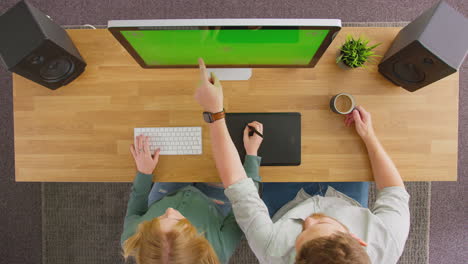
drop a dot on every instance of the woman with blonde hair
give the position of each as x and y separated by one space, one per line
181 222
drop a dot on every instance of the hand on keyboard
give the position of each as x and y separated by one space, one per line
141 153
173 140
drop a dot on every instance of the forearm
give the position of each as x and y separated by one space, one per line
383 168
252 215
227 159
138 202
251 167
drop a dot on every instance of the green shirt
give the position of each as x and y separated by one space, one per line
222 232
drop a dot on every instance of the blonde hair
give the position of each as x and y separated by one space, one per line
182 245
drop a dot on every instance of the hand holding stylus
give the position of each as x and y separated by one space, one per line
252 142
209 93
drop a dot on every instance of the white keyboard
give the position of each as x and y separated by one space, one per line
173 140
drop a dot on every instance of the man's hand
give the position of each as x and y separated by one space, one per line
252 143
209 93
141 153
363 122
385 171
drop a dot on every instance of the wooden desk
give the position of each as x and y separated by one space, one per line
82 132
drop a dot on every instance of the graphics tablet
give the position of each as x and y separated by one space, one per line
281 144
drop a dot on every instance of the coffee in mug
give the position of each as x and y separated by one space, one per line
342 103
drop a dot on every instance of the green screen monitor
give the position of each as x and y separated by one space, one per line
226 43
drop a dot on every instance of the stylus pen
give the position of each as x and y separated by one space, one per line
255 131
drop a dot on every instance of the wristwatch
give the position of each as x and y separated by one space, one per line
212 117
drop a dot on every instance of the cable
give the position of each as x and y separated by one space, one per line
88 25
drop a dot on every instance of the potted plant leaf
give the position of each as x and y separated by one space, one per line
355 53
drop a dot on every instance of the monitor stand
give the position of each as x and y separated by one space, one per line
232 74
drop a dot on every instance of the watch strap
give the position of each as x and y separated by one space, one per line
219 115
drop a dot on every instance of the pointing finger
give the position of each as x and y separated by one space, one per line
203 72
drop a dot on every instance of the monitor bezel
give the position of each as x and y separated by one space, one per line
333 25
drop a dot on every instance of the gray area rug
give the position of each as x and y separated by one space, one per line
82 222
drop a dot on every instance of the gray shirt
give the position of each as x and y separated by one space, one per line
385 227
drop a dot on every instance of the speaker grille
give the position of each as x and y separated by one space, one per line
414 66
56 70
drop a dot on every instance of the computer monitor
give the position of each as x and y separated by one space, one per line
226 43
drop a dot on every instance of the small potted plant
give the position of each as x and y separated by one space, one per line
355 53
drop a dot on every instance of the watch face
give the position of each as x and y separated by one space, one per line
207 117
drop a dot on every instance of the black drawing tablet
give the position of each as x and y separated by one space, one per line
281 144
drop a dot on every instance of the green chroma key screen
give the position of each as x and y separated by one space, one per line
226 46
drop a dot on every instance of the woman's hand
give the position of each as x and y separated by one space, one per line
141 153
209 93
363 122
252 143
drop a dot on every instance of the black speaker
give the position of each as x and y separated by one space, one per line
33 46
428 49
